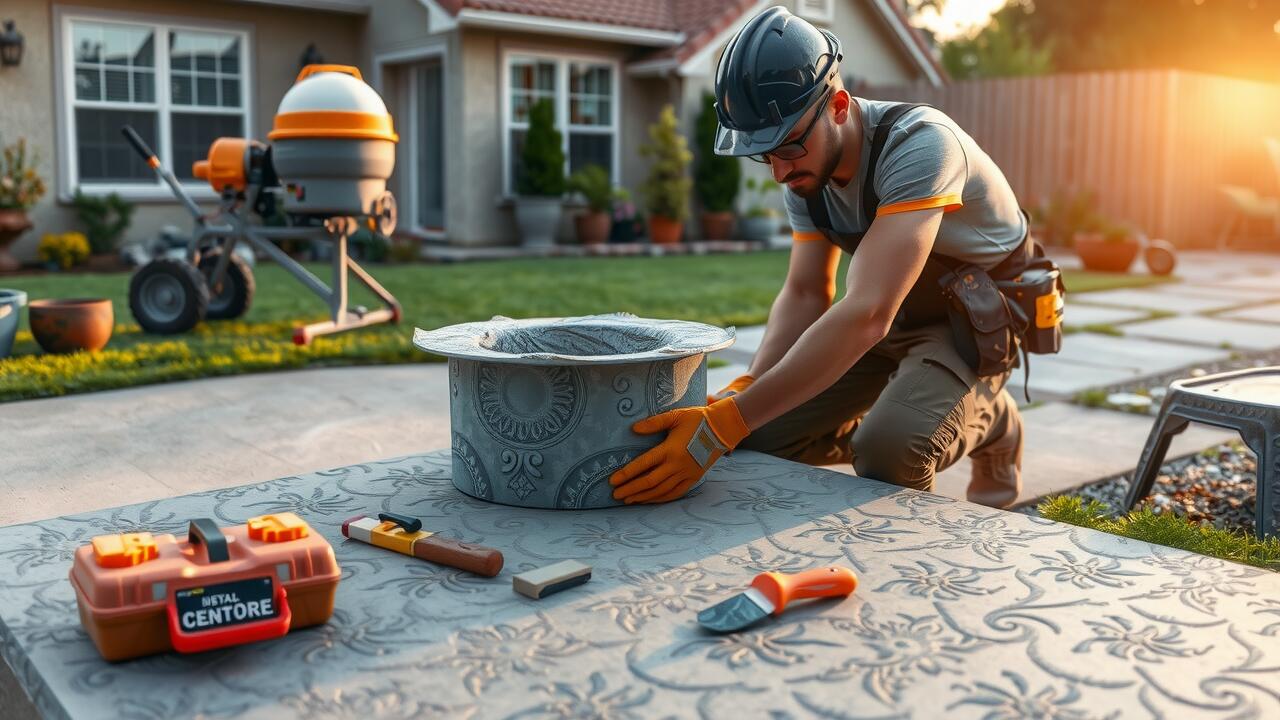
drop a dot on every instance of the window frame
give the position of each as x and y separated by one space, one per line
561 62
64 92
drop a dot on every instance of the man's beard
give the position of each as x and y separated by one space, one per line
822 177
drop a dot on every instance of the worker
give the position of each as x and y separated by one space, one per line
879 378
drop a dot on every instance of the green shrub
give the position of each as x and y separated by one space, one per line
666 191
594 184
716 177
542 159
104 218
1166 529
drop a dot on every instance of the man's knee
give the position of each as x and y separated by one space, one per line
903 446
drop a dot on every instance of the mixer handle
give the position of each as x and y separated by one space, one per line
310 70
140 145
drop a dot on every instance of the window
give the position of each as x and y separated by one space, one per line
816 10
179 87
585 95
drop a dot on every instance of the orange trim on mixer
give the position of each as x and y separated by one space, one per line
224 167
310 70
349 124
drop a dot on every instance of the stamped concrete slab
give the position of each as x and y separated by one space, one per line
1257 313
1152 299
1068 445
1077 315
1211 331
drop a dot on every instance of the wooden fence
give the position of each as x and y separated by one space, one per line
1155 146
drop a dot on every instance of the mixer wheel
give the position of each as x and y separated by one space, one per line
235 295
168 296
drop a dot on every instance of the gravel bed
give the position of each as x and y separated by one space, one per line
1216 487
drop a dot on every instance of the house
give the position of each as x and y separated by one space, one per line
457 75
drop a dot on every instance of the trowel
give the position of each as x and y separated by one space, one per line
769 594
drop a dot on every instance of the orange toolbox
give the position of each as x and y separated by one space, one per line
141 594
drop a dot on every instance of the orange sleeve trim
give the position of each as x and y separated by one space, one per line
948 203
808 236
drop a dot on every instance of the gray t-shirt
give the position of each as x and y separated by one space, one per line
927 162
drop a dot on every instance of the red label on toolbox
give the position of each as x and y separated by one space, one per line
230 613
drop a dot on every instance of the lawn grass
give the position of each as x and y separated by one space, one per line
717 289
1167 530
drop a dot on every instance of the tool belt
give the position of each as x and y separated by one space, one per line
1016 305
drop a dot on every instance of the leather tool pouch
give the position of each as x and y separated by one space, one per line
985 326
1038 294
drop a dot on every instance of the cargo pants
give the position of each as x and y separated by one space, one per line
908 409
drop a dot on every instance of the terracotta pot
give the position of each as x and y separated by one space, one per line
593 227
664 230
67 326
12 224
717 225
1097 253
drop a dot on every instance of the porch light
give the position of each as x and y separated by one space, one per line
10 45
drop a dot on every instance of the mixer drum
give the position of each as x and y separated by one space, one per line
333 145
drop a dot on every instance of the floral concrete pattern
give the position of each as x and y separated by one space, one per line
962 611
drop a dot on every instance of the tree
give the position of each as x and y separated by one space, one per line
542 159
666 191
1004 48
1240 38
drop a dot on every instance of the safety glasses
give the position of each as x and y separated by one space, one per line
795 149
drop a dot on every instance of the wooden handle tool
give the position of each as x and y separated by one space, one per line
405 535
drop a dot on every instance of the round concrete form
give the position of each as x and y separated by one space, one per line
541 409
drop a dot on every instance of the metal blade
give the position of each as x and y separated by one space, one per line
737 612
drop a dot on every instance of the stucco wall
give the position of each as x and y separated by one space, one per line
279 36
487 218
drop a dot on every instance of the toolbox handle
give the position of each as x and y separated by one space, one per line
204 531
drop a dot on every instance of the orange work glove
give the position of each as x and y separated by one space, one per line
696 438
742 382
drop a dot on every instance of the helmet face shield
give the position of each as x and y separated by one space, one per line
754 142
773 72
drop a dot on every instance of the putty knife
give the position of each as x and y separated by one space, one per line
771 591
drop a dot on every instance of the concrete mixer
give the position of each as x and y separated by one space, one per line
332 150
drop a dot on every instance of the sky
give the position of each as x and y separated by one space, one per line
958 17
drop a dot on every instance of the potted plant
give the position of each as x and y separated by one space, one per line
20 189
11 302
1067 214
105 220
716 177
1109 248
760 221
541 180
626 222
593 183
62 251
666 191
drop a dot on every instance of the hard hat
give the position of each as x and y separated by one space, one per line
771 72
